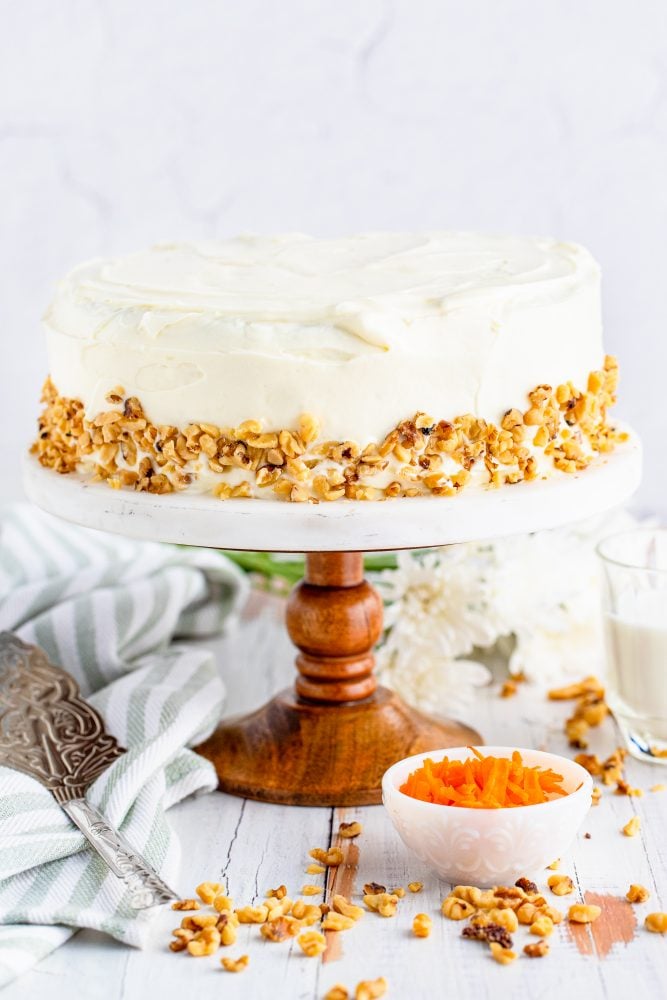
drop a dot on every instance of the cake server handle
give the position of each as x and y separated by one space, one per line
146 886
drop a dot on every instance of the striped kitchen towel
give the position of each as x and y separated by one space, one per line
116 614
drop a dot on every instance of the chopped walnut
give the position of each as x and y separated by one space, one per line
278 893
488 932
526 884
199 921
331 858
422 925
506 918
337 992
504 956
235 964
456 909
348 909
311 890
582 913
372 888
308 913
542 926
253 914
280 929
222 903
536 950
371 989
560 885
631 828
384 903
591 762
349 830
204 942
637 894
121 447
509 689
312 943
185 904
656 923
335 921
207 891
589 685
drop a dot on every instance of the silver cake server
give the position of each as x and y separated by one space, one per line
48 731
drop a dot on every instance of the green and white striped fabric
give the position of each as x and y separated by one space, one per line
115 613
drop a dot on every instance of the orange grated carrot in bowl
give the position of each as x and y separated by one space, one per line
483 782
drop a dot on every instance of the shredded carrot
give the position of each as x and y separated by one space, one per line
483 782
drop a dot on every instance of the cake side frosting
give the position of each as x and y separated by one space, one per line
561 431
361 333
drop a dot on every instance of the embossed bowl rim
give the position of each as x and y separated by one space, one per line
572 772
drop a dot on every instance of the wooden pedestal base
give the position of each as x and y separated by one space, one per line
305 754
330 740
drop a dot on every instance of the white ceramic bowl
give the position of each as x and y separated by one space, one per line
486 847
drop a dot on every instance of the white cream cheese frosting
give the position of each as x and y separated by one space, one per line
361 332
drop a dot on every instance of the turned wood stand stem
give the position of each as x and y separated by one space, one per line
335 618
328 741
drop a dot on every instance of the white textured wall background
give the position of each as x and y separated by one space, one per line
125 122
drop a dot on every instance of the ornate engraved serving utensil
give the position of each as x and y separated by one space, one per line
48 731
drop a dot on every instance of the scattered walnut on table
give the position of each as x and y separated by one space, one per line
371 989
311 890
656 923
542 926
185 904
278 893
384 903
205 942
504 956
235 964
583 913
560 885
422 925
207 891
491 933
331 858
372 888
280 929
456 909
637 894
312 943
538 949
348 909
631 828
335 921
337 992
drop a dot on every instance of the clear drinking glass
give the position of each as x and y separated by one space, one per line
635 608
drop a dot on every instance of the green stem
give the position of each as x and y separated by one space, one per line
291 570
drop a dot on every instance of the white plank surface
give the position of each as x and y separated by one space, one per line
254 847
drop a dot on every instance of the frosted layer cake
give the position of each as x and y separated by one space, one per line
363 368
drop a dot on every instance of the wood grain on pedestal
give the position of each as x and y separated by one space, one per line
330 740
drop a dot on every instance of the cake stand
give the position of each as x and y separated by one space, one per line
328 740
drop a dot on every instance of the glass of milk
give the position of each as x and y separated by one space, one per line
635 571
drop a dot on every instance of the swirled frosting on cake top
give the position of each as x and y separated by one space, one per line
359 331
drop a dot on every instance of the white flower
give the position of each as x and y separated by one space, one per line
542 591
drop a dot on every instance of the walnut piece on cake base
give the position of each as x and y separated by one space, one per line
561 428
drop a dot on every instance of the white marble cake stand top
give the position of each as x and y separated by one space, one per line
346 525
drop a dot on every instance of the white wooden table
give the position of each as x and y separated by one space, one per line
254 847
